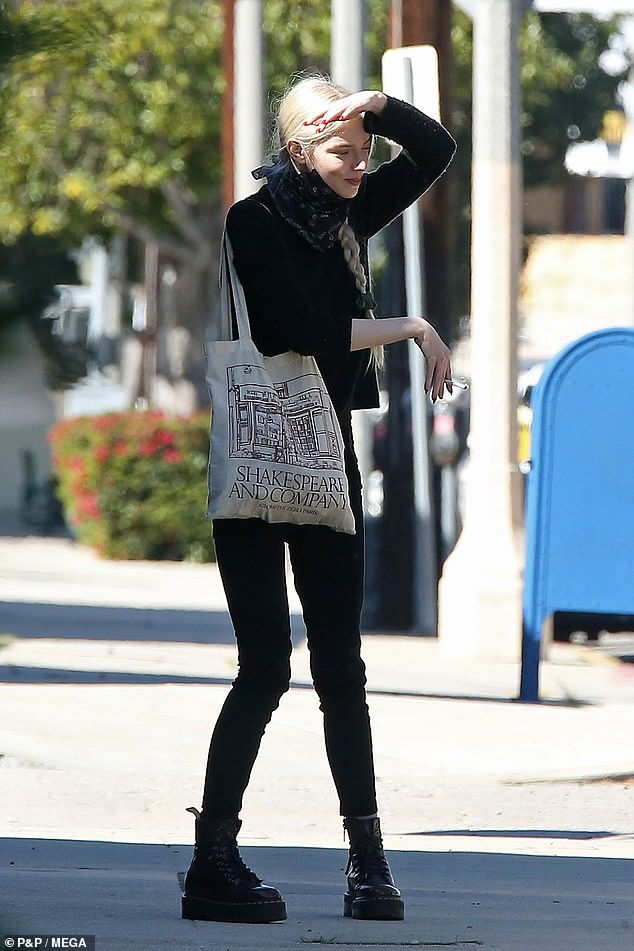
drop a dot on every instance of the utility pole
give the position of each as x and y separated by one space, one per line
147 381
347 43
347 69
226 138
248 97
419 30
411 73
428 23
480 589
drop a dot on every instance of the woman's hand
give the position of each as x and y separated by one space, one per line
349 107
378 333
437 359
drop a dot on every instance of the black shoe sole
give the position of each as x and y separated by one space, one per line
255 912
373 909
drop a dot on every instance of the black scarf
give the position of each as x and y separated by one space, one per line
305 201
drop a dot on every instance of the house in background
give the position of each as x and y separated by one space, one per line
91 312
137 358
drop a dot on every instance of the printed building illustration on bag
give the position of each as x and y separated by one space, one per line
285 422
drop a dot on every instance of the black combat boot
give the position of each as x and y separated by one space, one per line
219 886
371 893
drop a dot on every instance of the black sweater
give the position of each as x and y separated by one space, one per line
303 299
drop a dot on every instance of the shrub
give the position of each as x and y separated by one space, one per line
133 485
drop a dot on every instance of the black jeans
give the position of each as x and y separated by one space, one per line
328 572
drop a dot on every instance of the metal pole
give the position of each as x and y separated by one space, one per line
347 43
148 337
627 96
425 571
412 74
248 99
226 140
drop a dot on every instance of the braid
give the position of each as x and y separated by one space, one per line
352 255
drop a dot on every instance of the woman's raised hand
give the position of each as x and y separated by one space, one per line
349 107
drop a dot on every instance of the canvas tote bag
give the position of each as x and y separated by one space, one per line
276 450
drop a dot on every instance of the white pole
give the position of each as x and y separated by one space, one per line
99 293
480 589
626 90
248 96
347 43
411 73
424 594
347 68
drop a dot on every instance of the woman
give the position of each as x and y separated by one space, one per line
300 249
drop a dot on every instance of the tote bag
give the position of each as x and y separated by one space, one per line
276 450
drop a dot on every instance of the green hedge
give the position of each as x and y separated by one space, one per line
134 485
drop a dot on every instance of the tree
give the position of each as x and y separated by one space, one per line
104 122
111 112
111 122
565 92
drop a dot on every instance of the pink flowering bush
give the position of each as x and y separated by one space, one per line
134 485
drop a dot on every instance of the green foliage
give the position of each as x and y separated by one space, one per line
297 37
565 93
133 485
102 105
106 108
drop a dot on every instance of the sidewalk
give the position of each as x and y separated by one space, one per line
510 826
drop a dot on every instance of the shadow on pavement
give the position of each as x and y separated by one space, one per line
32 674
159 625
571 834
115 624
14 674
92 622
128 895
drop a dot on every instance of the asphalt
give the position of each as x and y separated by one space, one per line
509 826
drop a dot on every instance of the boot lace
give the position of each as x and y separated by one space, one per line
367 865
233 868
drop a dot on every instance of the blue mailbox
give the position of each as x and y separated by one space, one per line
580 489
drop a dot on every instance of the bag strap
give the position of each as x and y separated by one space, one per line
231 290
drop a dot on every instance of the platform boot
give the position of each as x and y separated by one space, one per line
371 892
219 886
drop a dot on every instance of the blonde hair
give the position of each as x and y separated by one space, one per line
305 97
352 254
